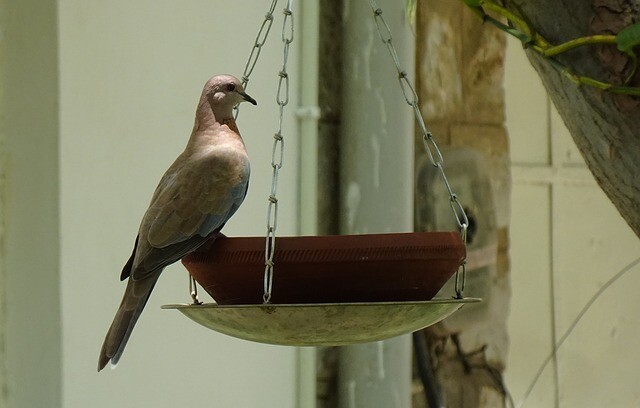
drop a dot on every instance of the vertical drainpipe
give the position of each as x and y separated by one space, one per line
376 184
308 114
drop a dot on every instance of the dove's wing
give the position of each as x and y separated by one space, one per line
194 199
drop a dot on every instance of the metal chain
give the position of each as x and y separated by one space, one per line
435 156
261 39
277 155
193 290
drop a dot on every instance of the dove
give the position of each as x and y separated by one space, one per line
196 196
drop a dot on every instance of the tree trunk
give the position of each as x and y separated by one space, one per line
604 126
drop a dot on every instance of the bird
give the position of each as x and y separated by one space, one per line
194 199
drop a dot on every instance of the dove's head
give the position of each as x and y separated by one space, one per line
223 92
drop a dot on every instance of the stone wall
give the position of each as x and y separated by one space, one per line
460 85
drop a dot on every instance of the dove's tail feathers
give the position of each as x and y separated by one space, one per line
133 302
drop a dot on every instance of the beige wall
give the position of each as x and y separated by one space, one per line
130 78
119 82
30 257
567 241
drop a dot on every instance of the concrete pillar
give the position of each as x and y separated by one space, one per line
376 183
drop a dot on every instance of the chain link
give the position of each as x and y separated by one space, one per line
193 291
261 39
433 151
277 155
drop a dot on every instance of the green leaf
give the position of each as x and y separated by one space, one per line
628 38
473 3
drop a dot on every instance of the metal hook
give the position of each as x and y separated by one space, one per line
193 291
459 287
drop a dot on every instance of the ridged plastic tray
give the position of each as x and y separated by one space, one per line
329 269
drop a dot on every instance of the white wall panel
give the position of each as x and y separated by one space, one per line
587 243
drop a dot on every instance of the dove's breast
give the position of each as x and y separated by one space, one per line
197 195
225 164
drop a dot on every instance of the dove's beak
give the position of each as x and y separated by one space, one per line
248 98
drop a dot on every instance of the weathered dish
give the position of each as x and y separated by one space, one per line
321 324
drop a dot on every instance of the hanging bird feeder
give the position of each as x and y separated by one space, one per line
330 290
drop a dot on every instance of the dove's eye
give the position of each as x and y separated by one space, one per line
231 87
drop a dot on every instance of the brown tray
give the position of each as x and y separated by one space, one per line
329 269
